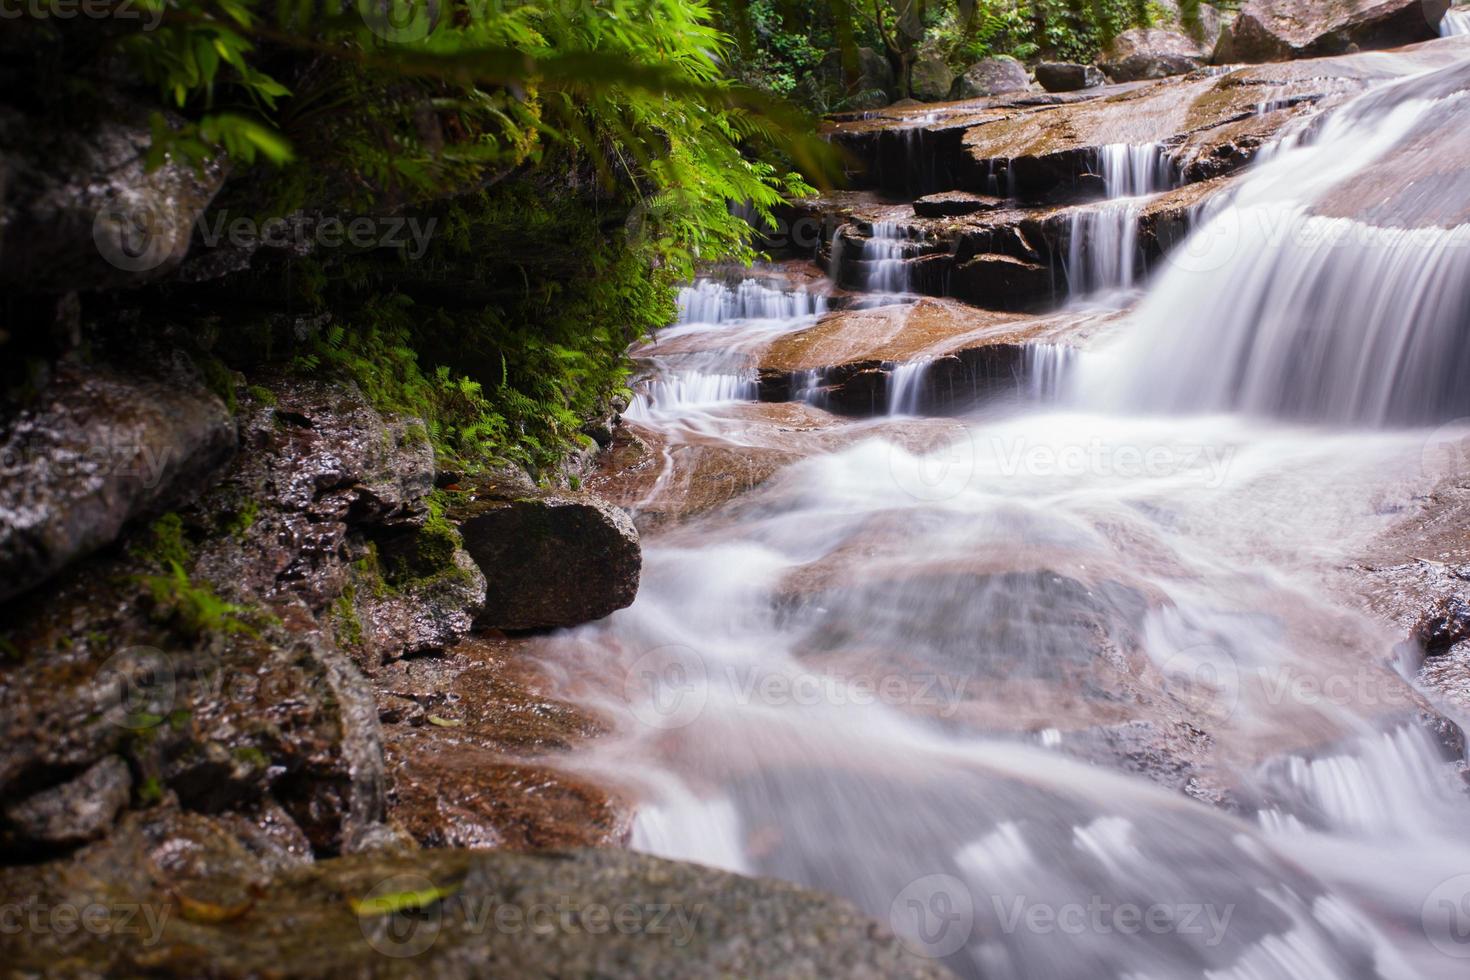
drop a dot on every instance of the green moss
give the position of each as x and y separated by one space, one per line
243 520
165 543
263 395
252 756
219 379
193 608
150 791
347 625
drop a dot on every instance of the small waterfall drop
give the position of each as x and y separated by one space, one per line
1102 243
906 386
1456 22
884 252
712 301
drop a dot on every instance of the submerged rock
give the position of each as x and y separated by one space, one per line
97 449
991 76
551 560
955 204
1279 30
1146 53
1064 77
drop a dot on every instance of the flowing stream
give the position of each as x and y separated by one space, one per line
1063 688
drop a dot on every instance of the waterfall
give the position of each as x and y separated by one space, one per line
1456 22
1312 313
1047 370
682 390
1102 240
1135 170
906 385
712 301
884 253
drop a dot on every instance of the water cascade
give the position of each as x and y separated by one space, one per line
711 301
1013 682
1456 22
1314 312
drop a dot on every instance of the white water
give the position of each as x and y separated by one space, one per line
1103 254
884 252
906 386
934 675
1456 23
710 301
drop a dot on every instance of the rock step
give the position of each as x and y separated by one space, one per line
1003 257
1039 146
944 354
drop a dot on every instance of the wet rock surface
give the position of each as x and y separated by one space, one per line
79 209
212 904
549 560
218 652
473 751
95 450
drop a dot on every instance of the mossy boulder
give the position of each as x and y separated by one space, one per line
991 76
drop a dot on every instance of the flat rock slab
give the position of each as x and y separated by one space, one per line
954 204
590 913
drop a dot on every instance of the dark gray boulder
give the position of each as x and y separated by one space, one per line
72 812
872 87
930 79
550 560
79 210
1056 76
242 907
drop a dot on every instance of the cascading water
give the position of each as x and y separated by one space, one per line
906 386
1102 251
1456 22
884 251
1313 312
702 380
712 301
968 673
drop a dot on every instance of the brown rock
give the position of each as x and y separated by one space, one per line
1279 30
